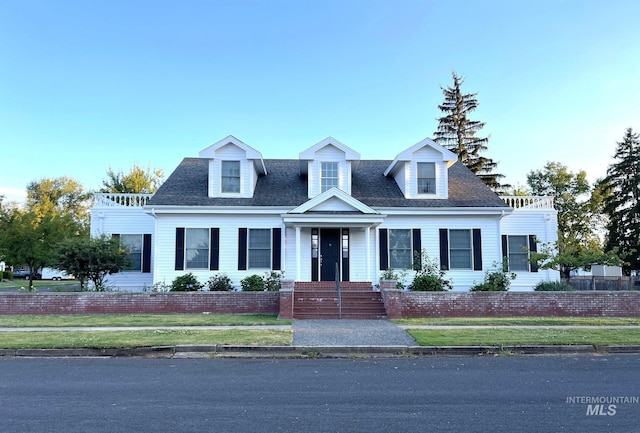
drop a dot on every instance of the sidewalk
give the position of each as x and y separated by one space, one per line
319 338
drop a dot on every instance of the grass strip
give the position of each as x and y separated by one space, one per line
142 338
97 320
524 336
515 321
63 285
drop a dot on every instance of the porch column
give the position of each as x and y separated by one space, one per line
367 245
297 253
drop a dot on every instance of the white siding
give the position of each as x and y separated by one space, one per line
430 239
125 220
407 179
328 154
543 224
401 179
248 175
228 224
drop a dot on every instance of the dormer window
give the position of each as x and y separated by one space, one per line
230 178
426 178
329 176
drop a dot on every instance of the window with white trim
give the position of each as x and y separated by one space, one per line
426 178
133 245
230 177
328 175
518 252
197 248
259 248
400 249
460 249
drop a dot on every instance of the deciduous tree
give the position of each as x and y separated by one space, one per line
137 181
27 238
92 259
60 196
578 208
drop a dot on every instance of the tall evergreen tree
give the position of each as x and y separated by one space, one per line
622 203
457 133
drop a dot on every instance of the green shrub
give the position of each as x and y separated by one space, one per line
553 286
497 279
272 281
391 275
160 287
186 283
427 283
429 276
220 283
252 283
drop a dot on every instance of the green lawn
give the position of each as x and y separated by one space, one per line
64 285
142 338
514 336
515 321
72 320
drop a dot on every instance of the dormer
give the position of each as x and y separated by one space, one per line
421 171
234 168
328 164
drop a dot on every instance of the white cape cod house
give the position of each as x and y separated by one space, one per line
231 211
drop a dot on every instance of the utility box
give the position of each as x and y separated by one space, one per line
606 271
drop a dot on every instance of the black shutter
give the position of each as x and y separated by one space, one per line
242 249
277 249
505 252
384 252
533 247
417 249
477 250
214 249
117 238
146 253
444 249
179 248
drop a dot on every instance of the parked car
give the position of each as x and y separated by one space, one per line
23 273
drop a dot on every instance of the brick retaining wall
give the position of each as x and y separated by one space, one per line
515 304
398 303
141 303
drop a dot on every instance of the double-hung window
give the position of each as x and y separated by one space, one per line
518 253
197 248
133 245
259 248
230 179
460 249
400 250
426 178
328 175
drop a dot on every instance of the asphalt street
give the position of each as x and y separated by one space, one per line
471 394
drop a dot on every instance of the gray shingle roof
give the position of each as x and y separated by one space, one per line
284 186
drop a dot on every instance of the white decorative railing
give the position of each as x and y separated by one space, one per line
114 199
528 202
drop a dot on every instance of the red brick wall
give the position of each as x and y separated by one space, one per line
507 304
141 303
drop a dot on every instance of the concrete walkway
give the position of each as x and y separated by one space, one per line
349 333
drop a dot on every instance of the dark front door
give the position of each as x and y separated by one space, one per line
329 253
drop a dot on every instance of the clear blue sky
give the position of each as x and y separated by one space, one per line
88 85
